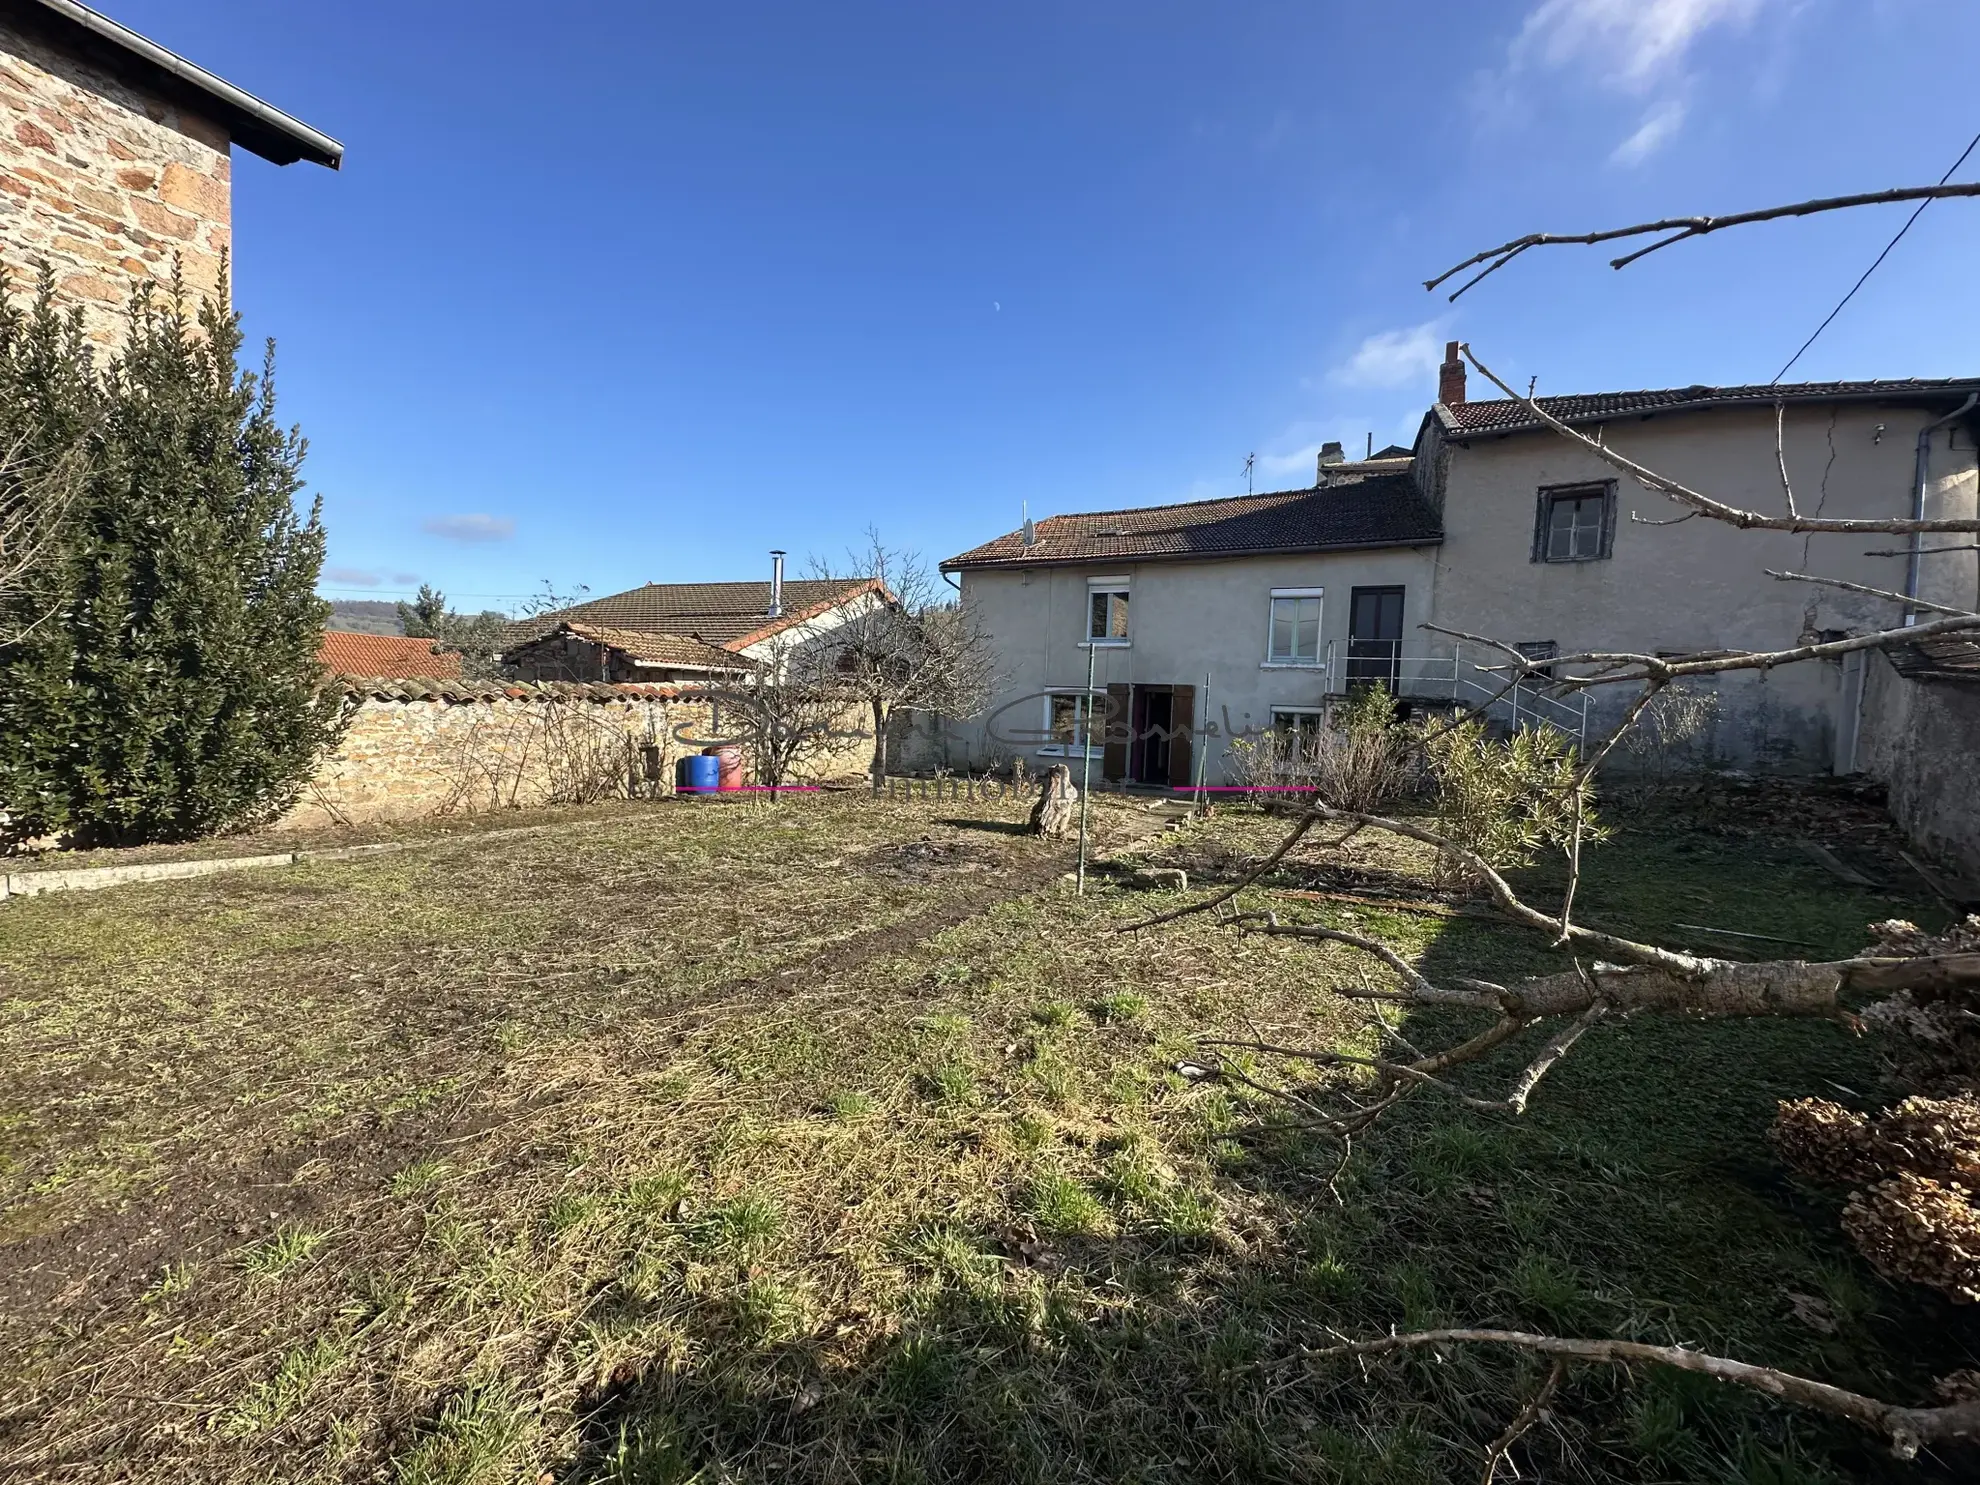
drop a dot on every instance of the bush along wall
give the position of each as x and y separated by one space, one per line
158 672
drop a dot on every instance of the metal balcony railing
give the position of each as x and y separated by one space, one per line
1456 679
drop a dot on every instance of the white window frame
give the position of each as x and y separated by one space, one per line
1319 660
1070 750
1123 586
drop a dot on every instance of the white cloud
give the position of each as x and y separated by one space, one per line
1396 358
1638 48
1637 45
350 577
1659 126
470 528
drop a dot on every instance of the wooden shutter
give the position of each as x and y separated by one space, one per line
1182 726
1119 729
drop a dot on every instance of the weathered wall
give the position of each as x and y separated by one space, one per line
1702 584
1186 620
1921 740
104 183
406 759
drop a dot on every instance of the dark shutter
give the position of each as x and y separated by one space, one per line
1118 719
1182 724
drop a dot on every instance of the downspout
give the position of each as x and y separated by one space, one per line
1919 480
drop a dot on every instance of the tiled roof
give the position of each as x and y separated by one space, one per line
1942 657
661 649
1379 510
728 614
383 655
1505 415
425 688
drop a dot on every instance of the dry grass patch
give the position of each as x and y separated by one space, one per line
751 1159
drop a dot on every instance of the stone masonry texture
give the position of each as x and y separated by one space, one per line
105 184
405 760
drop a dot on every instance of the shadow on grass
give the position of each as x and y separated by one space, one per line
1636 1198
994 827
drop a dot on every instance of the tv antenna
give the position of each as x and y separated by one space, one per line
1249 461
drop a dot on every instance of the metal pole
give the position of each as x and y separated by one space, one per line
1198 738
1085 767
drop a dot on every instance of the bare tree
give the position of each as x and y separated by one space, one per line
785 711
919 650
1611 977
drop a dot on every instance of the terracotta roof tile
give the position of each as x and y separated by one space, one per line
1505 415
661 649
441 688
1373 511
726 614
345 653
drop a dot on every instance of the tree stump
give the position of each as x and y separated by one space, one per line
1052 816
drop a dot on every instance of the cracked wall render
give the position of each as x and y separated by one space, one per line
105 184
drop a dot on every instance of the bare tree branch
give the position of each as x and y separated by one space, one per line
1705 504
1535 1406
1906 1429
1682 228
1829 582
1780 456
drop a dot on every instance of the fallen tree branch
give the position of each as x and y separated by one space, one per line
1535 1405
1682 228
1907 1430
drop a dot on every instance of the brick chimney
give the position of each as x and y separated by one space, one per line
1450 377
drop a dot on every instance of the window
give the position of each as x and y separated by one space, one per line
1295 730
1107 611
1293 635
1540 649
1067 715
1575 523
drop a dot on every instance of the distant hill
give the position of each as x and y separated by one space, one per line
365 616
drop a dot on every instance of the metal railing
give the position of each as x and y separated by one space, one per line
1454 679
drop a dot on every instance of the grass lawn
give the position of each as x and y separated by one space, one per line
838 1141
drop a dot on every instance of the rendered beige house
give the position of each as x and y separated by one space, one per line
1545 544
116 158
1201 621
1229 617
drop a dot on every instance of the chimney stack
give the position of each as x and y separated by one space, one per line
1450 377
776 584
1330 453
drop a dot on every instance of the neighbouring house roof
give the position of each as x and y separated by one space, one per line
1943 657
1377 510
383 655
1505 415
441 688
675 651
731 615
258 127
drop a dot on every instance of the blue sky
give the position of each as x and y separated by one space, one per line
617 292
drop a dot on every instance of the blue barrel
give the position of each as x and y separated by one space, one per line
698 773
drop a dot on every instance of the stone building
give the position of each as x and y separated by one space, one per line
116 157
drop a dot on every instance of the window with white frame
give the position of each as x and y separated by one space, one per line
1107 611
1068 717
1293 633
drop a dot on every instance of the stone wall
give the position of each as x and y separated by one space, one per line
415 749
1921 740
104 183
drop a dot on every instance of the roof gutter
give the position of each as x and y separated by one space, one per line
1091 559
1920 477
301 142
